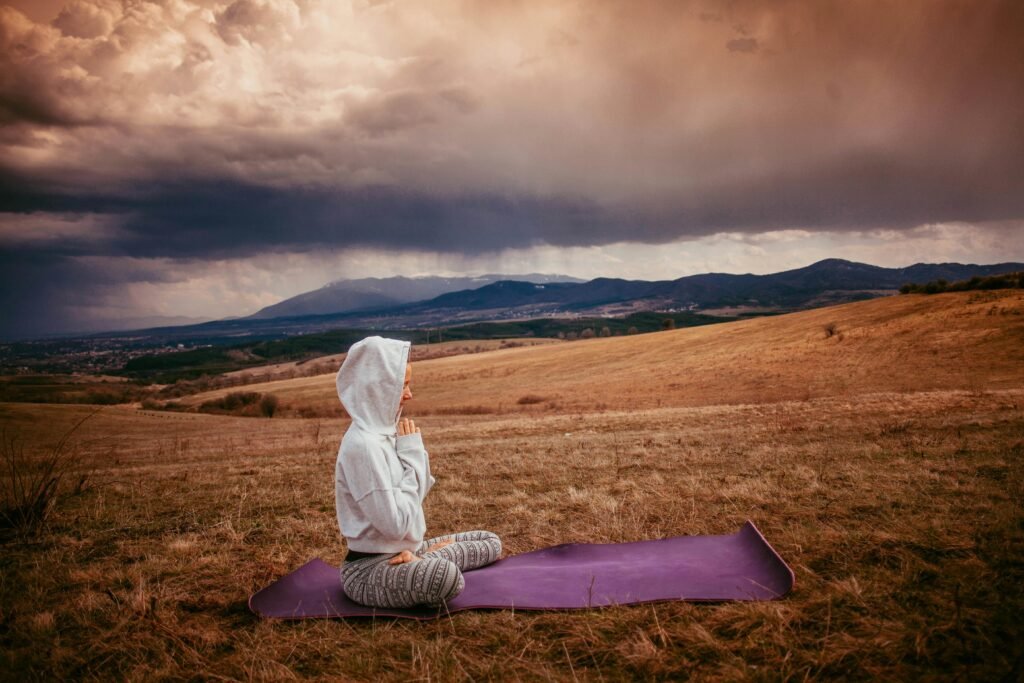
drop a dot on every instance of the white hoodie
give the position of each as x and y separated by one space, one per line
380 478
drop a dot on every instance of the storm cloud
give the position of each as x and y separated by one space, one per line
201 129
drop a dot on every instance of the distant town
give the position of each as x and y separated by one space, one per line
85 355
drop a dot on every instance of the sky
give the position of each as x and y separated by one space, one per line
179 159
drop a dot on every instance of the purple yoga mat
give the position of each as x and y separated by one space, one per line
740 566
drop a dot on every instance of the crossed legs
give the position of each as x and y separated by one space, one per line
431 580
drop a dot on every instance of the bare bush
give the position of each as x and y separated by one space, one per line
237 402
830 330
268 405
30 484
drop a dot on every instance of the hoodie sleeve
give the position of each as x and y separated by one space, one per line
395 511
414 457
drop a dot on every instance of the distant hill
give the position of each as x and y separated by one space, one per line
961 340
344 296
823 283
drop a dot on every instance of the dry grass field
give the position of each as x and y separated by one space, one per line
877 445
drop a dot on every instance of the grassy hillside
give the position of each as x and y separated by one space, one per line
92 389
883 461
221 359
906 343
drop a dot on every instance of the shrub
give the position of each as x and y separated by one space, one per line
668 324
530 399
239 399
587 333
103 398
31 485
268 405
238 402
633 330
830 330
606 331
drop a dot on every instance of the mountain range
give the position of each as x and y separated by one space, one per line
824 283
344 296
356 303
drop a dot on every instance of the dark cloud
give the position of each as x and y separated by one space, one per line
838 115
218 219
48 291
212 131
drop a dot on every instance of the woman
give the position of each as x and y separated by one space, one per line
381 478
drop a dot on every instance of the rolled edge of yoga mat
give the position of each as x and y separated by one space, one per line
741 566
790 583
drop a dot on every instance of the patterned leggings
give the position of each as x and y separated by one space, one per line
431 580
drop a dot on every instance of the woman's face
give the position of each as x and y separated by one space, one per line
407 388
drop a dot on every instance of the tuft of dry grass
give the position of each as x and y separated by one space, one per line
30 480
899 509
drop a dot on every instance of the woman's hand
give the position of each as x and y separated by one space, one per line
438 546
407 426
403 557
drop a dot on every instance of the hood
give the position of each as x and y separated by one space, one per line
370 383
